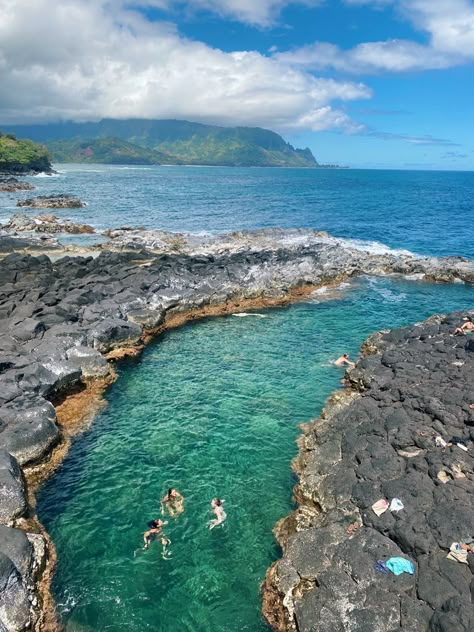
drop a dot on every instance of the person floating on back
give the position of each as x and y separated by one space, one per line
219 512
156 531
344 359
173 502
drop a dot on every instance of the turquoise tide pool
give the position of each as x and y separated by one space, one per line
213 409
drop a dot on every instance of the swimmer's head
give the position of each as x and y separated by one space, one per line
346 355
170 491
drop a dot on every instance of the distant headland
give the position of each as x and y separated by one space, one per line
22 157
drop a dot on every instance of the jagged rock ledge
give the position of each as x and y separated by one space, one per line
62 322
20 222
376 439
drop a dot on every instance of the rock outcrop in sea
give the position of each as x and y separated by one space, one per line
52 201
63 321
44 224
403 430
10 184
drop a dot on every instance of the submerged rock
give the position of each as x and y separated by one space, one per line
380 442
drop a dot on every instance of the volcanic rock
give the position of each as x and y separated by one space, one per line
379 441
12 184
52 201
12 489
44 224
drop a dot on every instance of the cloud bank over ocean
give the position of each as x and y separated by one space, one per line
89 59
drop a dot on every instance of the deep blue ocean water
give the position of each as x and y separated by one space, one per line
423 211
213 408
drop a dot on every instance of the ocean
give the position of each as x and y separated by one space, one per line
426 212
213 408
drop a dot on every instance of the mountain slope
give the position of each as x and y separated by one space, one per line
21 156
107 150
182 141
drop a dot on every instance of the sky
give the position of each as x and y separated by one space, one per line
362 83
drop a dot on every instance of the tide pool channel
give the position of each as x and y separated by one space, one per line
211 409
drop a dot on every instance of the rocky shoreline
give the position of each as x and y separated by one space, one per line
63 322
403 429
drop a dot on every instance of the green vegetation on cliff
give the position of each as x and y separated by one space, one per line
19 156
168 142
107 150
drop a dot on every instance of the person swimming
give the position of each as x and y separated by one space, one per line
156 532
172 502
219 512
344 359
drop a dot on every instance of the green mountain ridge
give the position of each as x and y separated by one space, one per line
167 142
22 156
107 150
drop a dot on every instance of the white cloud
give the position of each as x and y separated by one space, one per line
254 12
449 24
87 59
370 57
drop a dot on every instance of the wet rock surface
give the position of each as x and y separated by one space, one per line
44 224
58 320
14 242
52 201
10 184
12 489
380 439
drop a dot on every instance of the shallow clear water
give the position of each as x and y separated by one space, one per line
426 212
212 409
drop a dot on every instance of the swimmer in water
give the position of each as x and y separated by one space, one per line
156 531
344 359
219 512
173 502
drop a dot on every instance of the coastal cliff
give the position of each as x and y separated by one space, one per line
404 430
62 323
22 156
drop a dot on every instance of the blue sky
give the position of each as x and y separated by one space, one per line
365 83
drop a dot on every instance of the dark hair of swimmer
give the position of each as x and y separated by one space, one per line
218 502
171 489
346 355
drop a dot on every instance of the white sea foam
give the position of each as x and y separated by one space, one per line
375 247
328 293
81 170
131 168
417 276
242 314
42 174
376 285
